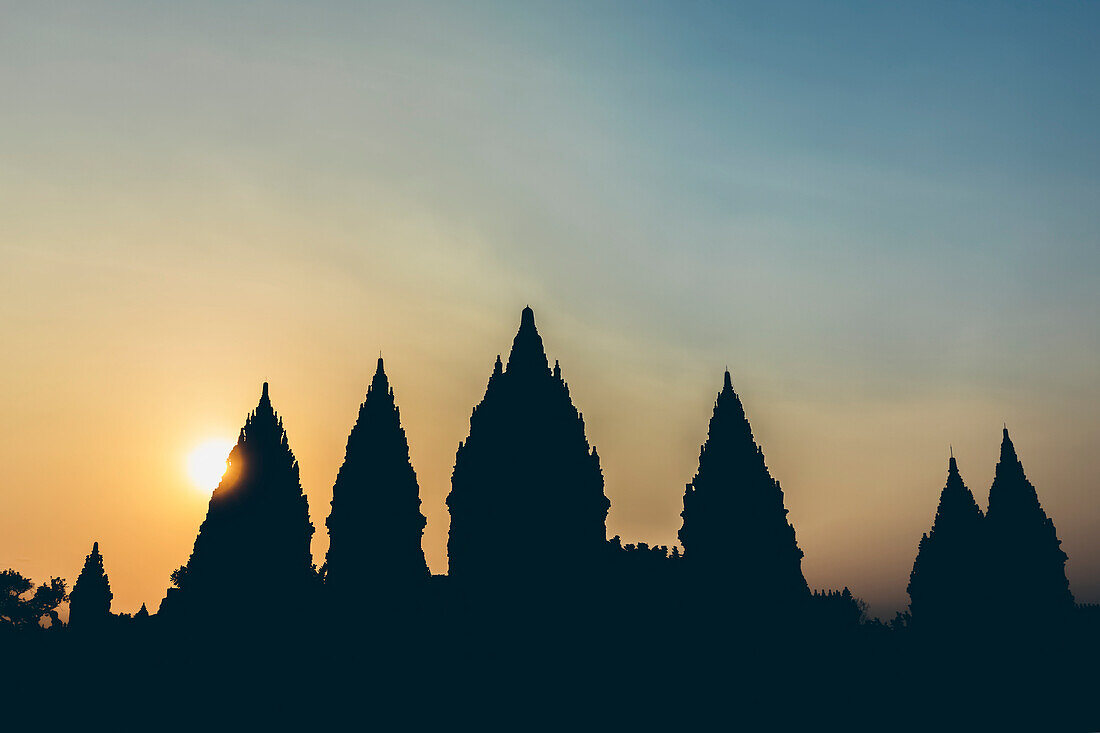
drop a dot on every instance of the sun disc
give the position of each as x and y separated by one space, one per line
206 463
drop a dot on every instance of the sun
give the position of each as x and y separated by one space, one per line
206 463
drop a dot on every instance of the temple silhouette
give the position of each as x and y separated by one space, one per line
1004 568
949 585
735 534
90 599
375 526
540 611
526 456
1027 565
256 533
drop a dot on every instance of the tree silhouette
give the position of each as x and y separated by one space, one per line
1027 564
90 599
18 612
735 533
254 542
839 608
527 491
375 527
947 587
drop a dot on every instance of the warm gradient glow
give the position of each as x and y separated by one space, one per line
882 218
206 463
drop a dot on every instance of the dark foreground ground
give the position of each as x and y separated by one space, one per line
515 666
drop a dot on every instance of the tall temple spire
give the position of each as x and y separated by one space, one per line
1010 487
1027 563
527 491
257 527
735 531
947 586
375 526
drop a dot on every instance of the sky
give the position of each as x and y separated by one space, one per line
882 217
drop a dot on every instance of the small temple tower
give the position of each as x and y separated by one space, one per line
736 537
375 527
90 599
252 552
527 497
948 584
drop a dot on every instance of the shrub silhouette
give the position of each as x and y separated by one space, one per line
640 563
839 608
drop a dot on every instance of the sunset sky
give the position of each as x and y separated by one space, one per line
883 220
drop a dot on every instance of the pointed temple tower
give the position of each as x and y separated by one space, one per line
252 553
1028 566
735 534
947 587
527 496
375 527
90 599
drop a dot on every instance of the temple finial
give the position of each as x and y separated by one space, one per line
727 383
264 406
1008 451
527 350
380 381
